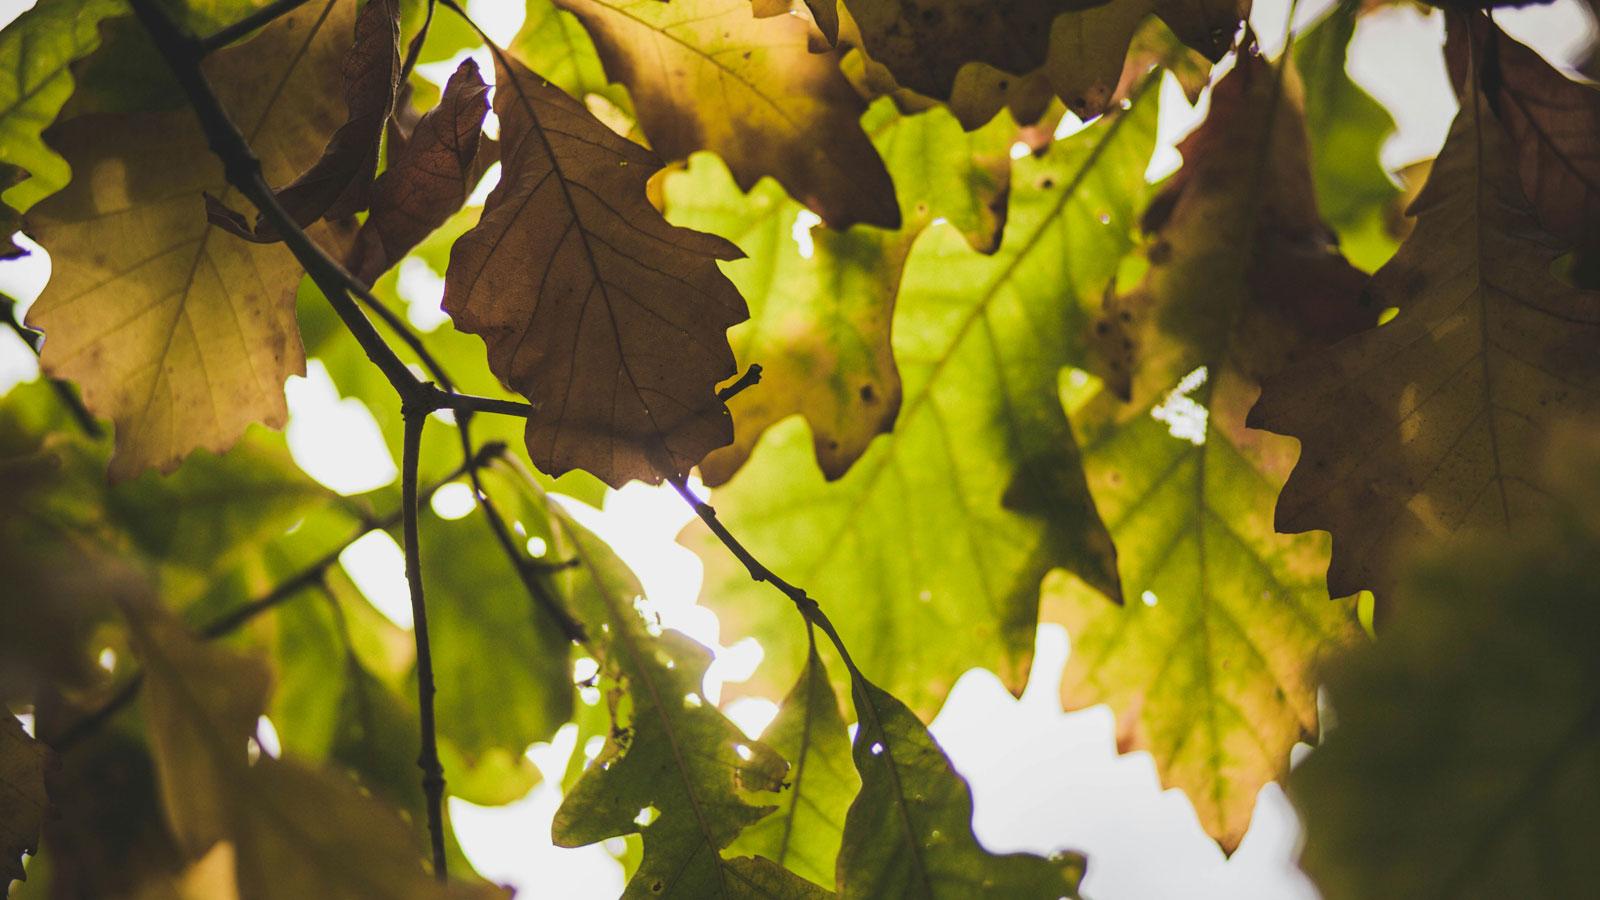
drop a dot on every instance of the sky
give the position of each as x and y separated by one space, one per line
1042 780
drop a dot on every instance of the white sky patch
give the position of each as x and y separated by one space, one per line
1174 122
1019 150
267 737
804 221
1148 598
335 440
378 567
453 501
499 20
491 179
1185 418
751 714
1069 125
423 290
21 279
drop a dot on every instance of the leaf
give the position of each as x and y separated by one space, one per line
339 184
179 334
490 640
1464 760
1435 421
929 552
1098 54
1207 666
674 769
1354 194
909 831
295 832
554 43
925 43
1550 120
427 180
804 834
35 81
820 319
709 75
23 800
610 320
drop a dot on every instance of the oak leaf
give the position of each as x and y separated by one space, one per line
1207 666
427 179
909 831
612 322
339 184
929 552
180 334
1435 421
36 52
23 800
1464 763
709 75
822 300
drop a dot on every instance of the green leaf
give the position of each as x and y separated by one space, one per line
1436 421
36 51
674 769
804 834
1207 666
929 552
709 75
490 640
909 831
554 43
1465 759
819 320
23 800
1354 193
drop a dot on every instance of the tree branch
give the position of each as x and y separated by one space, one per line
263 16
428 757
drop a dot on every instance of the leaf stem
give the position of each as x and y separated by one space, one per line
428 757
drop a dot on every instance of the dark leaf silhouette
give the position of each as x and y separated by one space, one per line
22 795
612 322
1435 421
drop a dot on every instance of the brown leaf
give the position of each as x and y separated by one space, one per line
22 795
339 184
709 75
428 178
612 322
178 333
1436 421
1553 123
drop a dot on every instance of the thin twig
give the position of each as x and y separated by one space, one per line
263 16
428 757
313 575
750 378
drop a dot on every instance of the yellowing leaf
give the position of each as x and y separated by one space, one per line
909 831
612 322
804 834
674 769
1435 421
821 300
339 184
296 833
1207 664
35 53
180 334
930 551
1465 759
709 75
22 796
